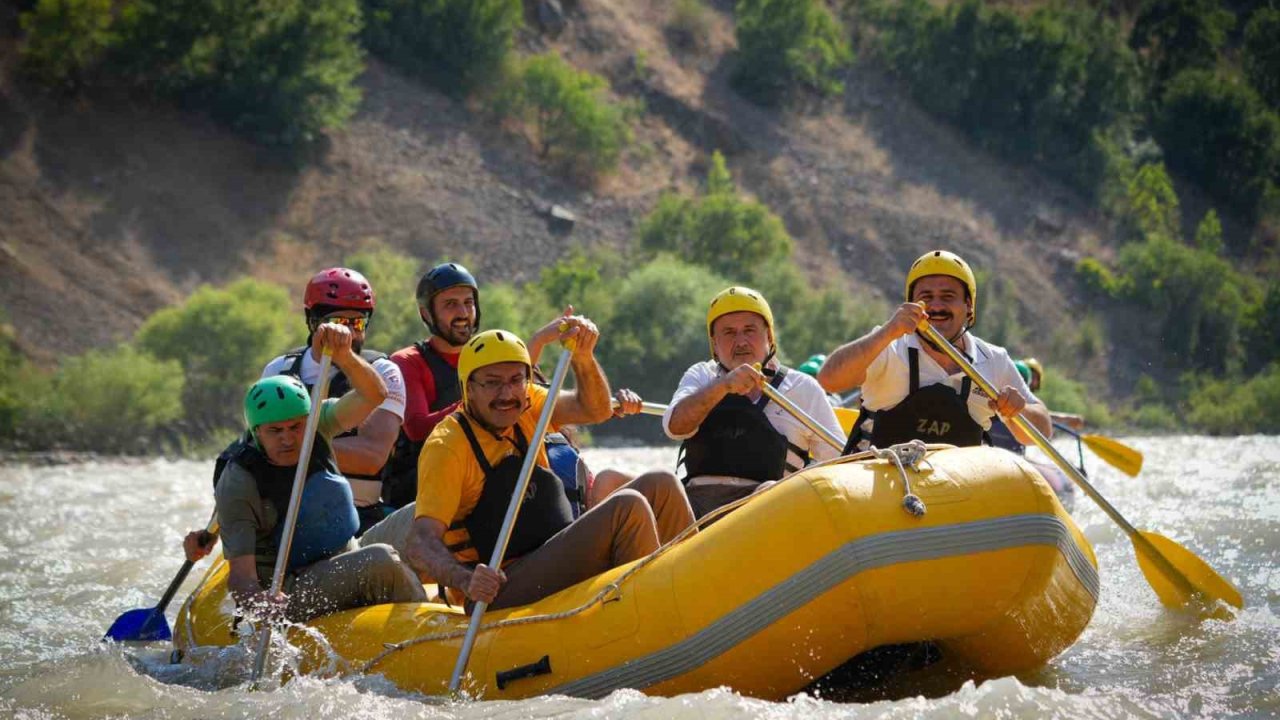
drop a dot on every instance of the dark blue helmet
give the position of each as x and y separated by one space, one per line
439 278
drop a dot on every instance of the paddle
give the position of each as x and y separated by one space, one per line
295 503
1115 453
149 624
513 509
832 439
1176 574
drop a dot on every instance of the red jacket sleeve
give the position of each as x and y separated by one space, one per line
420 392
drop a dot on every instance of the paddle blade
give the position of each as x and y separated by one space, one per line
1200 578
141 625
1115 453
847 417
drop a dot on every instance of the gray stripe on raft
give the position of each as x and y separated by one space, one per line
869 553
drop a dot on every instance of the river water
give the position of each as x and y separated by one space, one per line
81 543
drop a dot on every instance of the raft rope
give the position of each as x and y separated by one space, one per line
607 594
909 453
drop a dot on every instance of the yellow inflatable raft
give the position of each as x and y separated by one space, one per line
778 592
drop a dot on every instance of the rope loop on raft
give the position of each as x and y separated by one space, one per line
909 454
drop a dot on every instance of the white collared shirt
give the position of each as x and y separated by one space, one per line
888 380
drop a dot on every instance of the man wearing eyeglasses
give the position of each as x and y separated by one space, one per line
344 297
470 465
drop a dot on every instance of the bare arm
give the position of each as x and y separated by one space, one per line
426 553
243 580
368 389
846 368
1038 415
367 452
687 414
590 402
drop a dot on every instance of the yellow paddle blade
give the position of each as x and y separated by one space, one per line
847 417
1200 578
1115 453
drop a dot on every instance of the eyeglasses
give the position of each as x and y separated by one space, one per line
494 386
357 324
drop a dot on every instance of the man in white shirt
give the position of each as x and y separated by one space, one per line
735 441
912 390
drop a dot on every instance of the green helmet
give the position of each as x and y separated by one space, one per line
280 397
1024 370
811 366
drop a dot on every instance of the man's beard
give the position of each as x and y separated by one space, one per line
456 336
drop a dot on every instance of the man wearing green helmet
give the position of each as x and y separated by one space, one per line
253 493
912 390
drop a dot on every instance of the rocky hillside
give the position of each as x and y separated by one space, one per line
115 206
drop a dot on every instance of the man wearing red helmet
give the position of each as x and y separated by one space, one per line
912 390
344 296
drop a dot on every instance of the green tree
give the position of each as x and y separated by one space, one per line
457 45
222 338
569 112
1263 329
1151 205
1260 55
65 39
280 71
1209 233
110 400
394 277
732 236
1217 132
1231 406
1178 35
785 45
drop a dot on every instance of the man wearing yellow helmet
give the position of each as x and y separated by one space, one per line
470 464
734 441
911 390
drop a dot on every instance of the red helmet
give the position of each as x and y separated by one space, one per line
338 288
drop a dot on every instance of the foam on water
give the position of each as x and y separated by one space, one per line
80 544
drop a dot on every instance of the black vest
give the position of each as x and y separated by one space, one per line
338 386
275 482
544 512
400 474
737 439
934 414
1002 437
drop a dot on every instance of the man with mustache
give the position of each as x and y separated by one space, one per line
912 390
736 442
470 464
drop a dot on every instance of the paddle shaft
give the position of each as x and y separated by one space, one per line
647 408
513 509
814 426
295 503
206 537
1043 443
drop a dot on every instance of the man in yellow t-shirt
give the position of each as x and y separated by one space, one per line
469 466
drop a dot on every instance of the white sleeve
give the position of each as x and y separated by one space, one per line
394 380
273 368
879 362
695 378
813 400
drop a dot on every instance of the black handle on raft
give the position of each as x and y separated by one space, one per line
542 667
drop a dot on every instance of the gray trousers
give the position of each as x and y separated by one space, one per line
370 575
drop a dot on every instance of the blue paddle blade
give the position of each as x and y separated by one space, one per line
141 625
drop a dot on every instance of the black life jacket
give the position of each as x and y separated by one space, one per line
544 512
737 439
400 474
275 482
934 414
338 386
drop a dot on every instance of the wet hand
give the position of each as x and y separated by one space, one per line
743 380
1009 402
626 403
198 544
906 319
265 607
484 583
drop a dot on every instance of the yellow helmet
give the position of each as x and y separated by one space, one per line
490 348
739 299
1035 366
941 262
